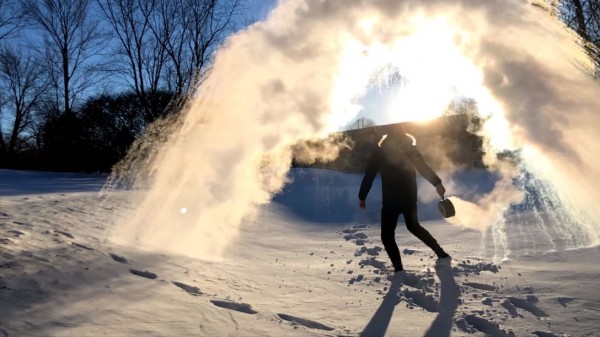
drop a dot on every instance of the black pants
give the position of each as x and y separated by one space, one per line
389 220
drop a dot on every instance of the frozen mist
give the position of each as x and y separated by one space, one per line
302 72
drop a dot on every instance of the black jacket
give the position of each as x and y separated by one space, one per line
396 159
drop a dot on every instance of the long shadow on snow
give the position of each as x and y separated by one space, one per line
449 294
442 324
381 319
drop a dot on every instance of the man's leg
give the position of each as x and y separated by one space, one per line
389 220
412 223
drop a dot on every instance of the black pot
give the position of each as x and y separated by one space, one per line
446 208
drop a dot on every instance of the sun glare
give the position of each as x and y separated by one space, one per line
353 75
433 70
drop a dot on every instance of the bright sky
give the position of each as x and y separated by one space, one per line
379 103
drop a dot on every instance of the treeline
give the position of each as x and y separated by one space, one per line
80 80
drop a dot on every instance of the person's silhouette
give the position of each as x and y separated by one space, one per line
396 159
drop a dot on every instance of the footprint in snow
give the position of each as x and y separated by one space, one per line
145 273
564 300
81 246
356 279
305 322
24 224
373 262
467 266
16 233
487 301
407 251
241 307
360 236
195 291
419 299
481 286
118 258
528 305
512 310
6 241
67 234
416 281
539 333
355 236
369 251
483 325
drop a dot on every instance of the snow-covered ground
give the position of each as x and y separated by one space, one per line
311 264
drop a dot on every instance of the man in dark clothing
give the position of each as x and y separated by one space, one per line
396 159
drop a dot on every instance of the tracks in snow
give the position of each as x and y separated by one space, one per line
241 307
419 289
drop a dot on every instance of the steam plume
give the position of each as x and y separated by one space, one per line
300 74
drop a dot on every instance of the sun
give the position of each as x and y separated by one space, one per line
433 69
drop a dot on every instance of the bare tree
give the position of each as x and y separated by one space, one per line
463 106
10 18
360 123
141 58
580 19
167 43
208 23
24 83
583 16
190 31
165 24
71 37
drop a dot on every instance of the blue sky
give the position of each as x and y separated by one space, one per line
260 8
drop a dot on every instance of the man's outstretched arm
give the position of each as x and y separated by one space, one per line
370 174
427 172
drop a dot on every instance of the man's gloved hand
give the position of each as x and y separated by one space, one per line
362 204
440 189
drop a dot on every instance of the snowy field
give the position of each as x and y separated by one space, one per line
310 264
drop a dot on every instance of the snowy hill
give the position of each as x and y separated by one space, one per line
310 264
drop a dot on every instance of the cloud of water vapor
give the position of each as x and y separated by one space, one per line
488 208
300 74
322 150
536 72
